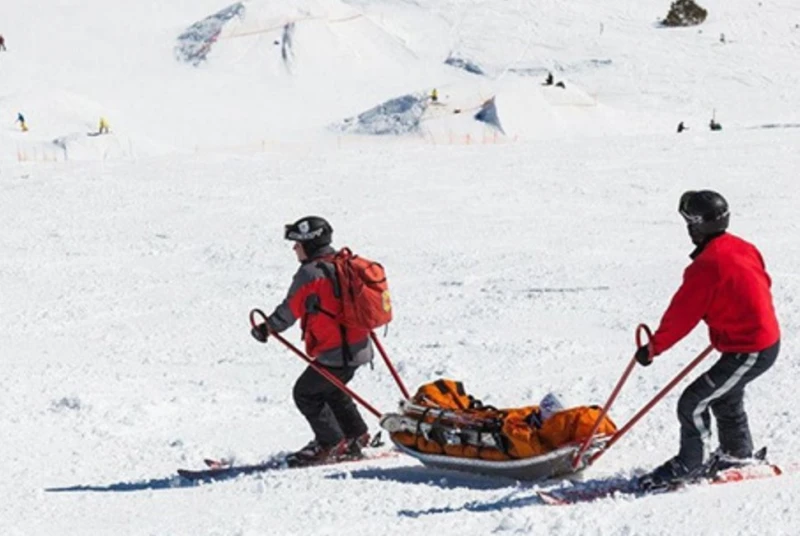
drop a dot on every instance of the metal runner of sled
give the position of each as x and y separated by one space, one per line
552 464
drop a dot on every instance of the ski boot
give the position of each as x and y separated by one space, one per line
315 453
671 472
720 461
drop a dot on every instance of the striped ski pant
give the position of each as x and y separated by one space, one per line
721 390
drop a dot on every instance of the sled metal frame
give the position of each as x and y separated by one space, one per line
556 463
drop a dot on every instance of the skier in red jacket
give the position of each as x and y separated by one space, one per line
727 287
339 429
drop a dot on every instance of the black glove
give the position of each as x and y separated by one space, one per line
260 332
644 356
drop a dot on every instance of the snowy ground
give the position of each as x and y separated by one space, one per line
126 273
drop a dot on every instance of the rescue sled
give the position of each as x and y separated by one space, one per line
443 427
443 417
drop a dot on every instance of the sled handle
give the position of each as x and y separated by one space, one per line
576 460
391 368
643 328
661 394
311 362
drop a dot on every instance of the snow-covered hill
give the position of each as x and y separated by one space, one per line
278 72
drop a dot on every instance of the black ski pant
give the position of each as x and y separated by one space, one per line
331 413
721 390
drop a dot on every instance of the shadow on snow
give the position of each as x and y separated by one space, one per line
440 478
515 499
520 495
171 482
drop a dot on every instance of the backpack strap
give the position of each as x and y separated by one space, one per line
330 273
442 386
325 267
437 431
418 431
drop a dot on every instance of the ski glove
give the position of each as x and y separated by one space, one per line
644 356
260 332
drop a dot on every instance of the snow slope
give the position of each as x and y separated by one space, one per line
126 272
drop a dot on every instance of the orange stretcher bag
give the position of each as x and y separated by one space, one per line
572 425
515 433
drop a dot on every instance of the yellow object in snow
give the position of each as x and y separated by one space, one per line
103 127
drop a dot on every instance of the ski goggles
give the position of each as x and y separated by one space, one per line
302 232
695 219
683 208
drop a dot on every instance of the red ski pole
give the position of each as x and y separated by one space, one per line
328 376
389 364
578 455
682 374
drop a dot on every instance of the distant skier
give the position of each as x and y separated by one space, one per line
713 125
21 120
682 127
2 42
337 425
727 287
434 95
549 81
103 126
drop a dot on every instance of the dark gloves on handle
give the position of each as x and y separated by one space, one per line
260 332
644 355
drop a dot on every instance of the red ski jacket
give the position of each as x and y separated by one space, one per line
728 287
311 299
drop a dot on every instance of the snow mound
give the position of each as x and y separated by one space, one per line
401 115
195 43
494 112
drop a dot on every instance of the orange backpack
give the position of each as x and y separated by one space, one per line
361 287
445 394
363 290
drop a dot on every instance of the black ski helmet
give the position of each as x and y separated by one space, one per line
311 231
706 213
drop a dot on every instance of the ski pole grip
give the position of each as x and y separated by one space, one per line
253 314
641 328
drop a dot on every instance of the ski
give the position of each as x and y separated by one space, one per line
278 463
231 471
622 487
217 464
221 469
